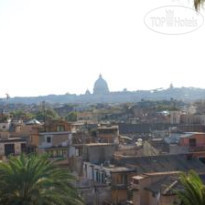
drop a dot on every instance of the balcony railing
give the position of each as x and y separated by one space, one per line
197 148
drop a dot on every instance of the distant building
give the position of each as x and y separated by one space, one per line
171 86
87 92
5 122
57 126
155 188
117 177
54 139
98 153
191 143
108 134
175 117
100 86
123 175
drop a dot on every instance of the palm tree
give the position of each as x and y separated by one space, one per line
35 180
194 189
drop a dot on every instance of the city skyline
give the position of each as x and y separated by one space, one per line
101 89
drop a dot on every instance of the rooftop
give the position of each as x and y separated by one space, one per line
33 122
165 185
118 169
99 144
108 127
13 139
162 163
55 133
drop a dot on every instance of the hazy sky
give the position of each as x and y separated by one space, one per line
61 46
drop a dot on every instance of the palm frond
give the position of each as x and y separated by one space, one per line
194 189
35 180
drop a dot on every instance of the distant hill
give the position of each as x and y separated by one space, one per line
184 94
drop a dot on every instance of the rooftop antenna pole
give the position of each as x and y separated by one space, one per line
76 113
44 114
7 101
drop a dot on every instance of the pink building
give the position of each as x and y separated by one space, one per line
195 141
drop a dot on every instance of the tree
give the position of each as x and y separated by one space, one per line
71 117
35 180
48 114
194 189
23 115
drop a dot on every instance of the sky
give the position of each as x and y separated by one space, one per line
61 46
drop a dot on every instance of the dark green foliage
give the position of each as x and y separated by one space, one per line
194 189
20 114
48 114
34 180
71 117
157 106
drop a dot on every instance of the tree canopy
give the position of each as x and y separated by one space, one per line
71 117
35 180
48 114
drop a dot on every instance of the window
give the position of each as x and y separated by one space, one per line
23 147
92 173
48 139
136 181
9 149
86 173
124 179
192 142
97 176
60 128
77 152
202 159
103 178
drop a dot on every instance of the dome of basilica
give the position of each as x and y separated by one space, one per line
100 86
